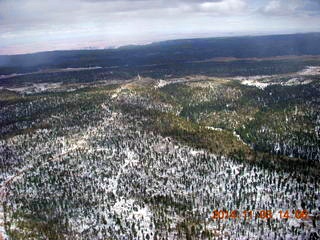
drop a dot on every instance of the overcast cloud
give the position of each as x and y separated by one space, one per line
39 25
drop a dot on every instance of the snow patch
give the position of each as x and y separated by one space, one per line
260 85
161 83
310 71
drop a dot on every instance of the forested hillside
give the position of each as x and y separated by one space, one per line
150 158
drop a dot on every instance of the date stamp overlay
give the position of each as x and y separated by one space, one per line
217 214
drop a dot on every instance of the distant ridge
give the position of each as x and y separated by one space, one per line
168 52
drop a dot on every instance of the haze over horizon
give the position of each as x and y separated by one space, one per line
33 26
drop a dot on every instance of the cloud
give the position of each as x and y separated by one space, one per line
223 7
22 16
21 12
25 25
291 7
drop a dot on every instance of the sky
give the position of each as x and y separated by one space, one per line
42 25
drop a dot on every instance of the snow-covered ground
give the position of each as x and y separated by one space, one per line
310 71
161 83
3 234
214 128
35 88
263 81
255 83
